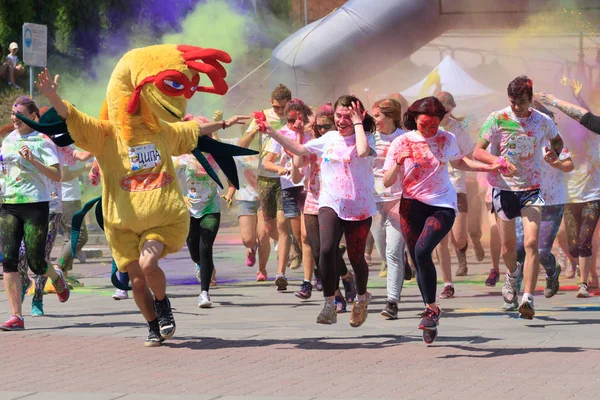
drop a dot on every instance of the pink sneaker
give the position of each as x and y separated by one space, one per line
251 258
14 323
261 276
62 289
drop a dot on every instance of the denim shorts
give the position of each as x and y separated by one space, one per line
293 201
247 207
508 204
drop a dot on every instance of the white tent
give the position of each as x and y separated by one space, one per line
448 76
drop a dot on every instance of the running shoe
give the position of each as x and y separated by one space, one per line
359 314
349 284
295 262
318 286
514 306
37 308
328 314
383 270
510 290
166 321
462 263
526 310
552 283
447 293
25 287
391 309
120 295
261 276
81 256
213 278
340 304
583 292
281 282
479 251
204 300
428 324
305 291
62 289
14 323
154 338
492 278
197 271
251 257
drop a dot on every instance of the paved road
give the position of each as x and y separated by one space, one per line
259 344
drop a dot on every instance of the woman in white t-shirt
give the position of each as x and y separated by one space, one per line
29 162
386 222
279 161
346 202
420 158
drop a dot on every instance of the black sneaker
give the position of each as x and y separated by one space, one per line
166 322
281 282
154 339
305 291
429 335
391 310
552 283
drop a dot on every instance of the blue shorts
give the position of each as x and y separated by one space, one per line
293 201
247 207
508 204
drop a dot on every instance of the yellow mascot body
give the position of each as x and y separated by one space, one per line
133 144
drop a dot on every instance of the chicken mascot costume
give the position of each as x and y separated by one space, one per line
139 130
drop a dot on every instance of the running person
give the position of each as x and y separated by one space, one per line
554 191
201 195
516 134
428 207
293 195
386 222
459 234
28 162
311 170
346 202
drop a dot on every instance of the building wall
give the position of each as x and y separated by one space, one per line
317 9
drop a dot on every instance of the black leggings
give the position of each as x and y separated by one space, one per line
28 223
203 232
331 228
311 222
424 227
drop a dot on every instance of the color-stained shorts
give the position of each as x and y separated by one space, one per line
508 204
269 195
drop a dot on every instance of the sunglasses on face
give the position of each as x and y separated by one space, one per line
324 126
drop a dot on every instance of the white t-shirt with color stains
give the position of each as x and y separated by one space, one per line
22 182
199 189
466 147
382 143
347 182
518 140
424 174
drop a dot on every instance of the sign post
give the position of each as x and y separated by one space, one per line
35 47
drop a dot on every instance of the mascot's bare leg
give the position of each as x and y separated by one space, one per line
147 279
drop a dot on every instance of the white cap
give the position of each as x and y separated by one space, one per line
13 45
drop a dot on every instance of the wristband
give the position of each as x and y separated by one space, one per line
358 123
224 125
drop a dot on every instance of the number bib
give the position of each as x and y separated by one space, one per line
145 156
